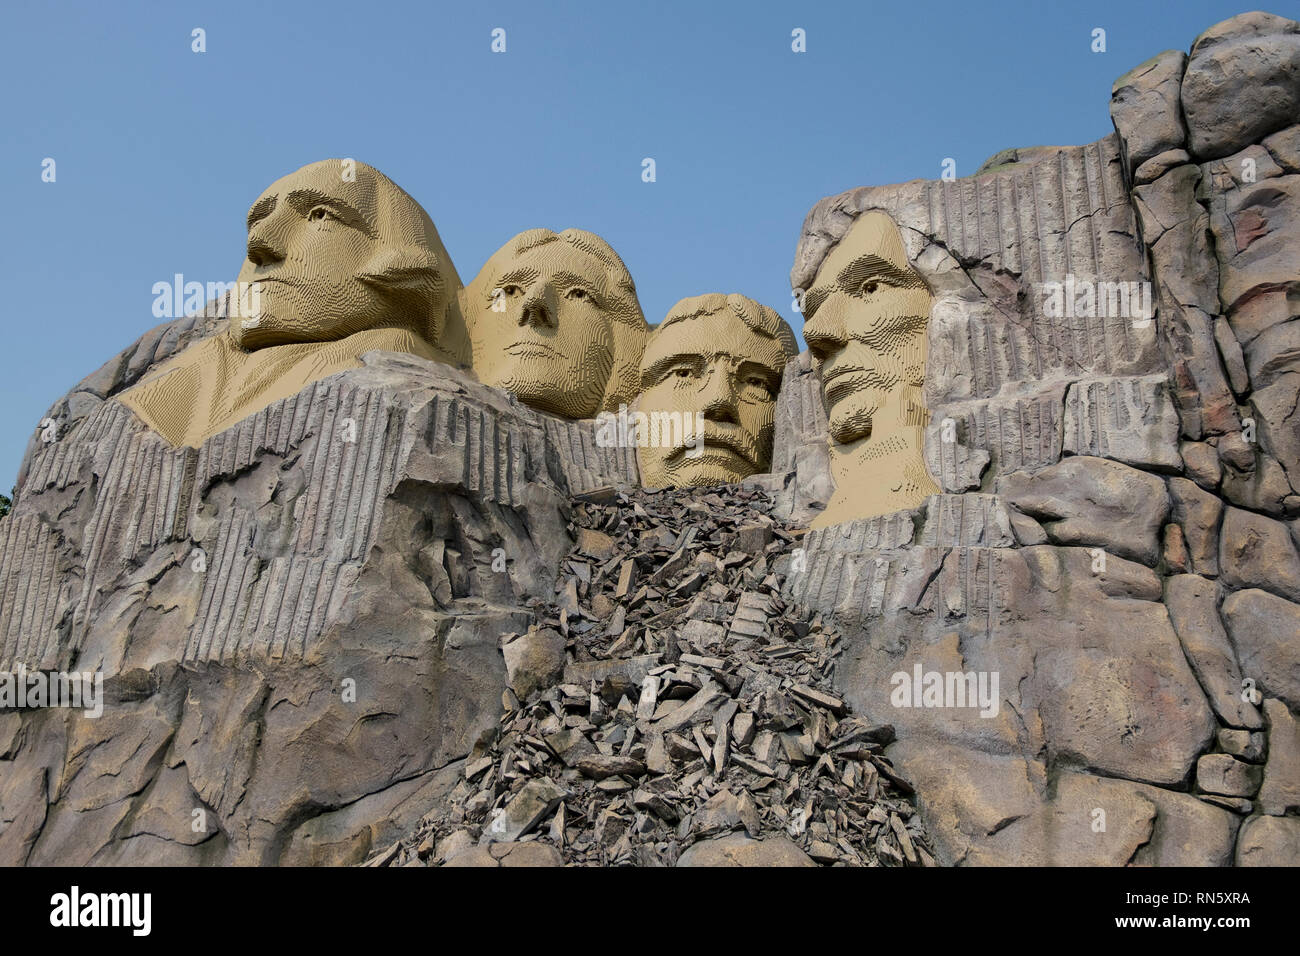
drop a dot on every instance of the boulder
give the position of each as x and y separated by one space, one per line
1263 627
1258 552
1269 841
1280 793
1145 108
1242 82
736 849
1094 502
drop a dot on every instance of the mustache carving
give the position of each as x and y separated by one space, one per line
717 435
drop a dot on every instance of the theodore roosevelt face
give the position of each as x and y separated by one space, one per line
721 358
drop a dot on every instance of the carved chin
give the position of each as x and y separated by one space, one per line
284 322
551 390
683 472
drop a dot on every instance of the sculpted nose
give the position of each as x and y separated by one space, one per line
825 332
262 250
719 398
537 311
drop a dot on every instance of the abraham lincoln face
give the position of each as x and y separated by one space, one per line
867 315
337 248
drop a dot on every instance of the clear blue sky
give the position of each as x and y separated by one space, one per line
160 150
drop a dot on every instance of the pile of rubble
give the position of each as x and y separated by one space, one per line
667 707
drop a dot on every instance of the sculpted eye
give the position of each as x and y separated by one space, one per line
578 293
321 214
756 388
510 289
871 286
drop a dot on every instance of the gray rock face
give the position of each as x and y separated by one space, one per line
1263 628
1280 793
1191 601
1132 581
1130 420
1197 513
1258 552
533 660
298 623
1242 82
1269 841
509 855
736 849
1226 775
125 369
1091 501
1144 105
799 450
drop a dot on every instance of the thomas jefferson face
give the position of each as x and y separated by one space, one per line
706 359
867 315
332 257
544 320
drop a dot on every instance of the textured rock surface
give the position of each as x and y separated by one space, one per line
1143 605
699 707
1091 501
739 850
1280 793
1242 82
298 622
1264 628
1144 106
1117 541
1269 841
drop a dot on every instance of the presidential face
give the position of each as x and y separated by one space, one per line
867 314
336 248
721 358
550 315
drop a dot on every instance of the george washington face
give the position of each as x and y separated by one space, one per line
335 250
867 315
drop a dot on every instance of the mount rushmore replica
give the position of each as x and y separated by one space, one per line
1004 569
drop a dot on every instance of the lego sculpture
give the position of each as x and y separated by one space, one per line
709 377
340 262
867 312
554 320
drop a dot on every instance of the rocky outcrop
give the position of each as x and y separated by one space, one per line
298 622
692 723
1086 642
1132 578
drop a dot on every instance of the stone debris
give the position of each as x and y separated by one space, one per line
695 718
